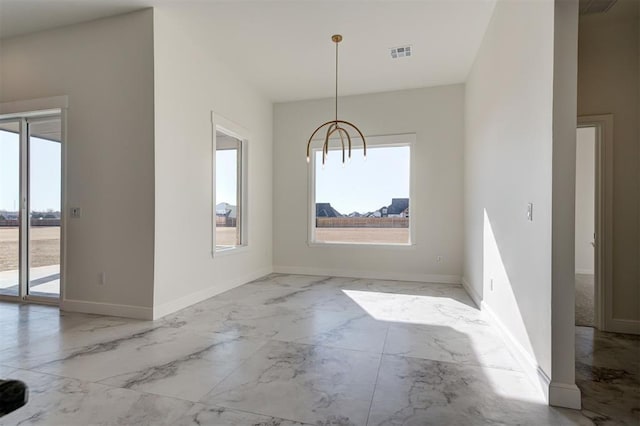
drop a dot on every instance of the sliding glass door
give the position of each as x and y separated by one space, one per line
44 150
10 208
30 208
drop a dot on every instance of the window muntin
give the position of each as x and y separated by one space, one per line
229 200
366 201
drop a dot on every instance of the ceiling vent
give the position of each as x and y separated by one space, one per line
400 52
588 7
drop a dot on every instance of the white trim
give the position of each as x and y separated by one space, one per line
620 325
386 246
204 294
395 276
584 271
35 106
25 225
112 309
530 366
565 395
473 294
231 251
63 205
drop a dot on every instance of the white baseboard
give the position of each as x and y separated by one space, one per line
564 395
618 325
395 276
111 309
585 271
530 366
204 294
146 313
473 294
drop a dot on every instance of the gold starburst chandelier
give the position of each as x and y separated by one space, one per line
339 126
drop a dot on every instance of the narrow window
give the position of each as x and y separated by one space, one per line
364 201
229 192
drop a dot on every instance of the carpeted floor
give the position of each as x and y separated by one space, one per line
584 300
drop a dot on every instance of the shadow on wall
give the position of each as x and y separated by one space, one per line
496 277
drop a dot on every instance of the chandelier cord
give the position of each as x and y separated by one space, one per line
335 125
337 82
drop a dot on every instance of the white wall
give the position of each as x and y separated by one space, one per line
585 199
436 116
608 83
189 85
508 164
106 69
563 391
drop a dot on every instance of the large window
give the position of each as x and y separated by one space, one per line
229 191
364 201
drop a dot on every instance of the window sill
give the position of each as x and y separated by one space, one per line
230 251
378 246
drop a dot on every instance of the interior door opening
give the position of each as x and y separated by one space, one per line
585 223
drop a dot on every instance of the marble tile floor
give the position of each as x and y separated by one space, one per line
282 350
608 375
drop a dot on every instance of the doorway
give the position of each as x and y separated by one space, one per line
593 225
585 222
31 153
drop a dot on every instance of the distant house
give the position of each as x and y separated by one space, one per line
226 210
325 210
399 208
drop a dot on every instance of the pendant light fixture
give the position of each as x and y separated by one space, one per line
336 126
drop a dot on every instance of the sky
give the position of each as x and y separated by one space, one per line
45 173
363 185
226 176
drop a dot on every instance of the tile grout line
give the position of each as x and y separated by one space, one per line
375 386
459 364
251 412
341 348
233 370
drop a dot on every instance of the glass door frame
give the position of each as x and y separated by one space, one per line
24 209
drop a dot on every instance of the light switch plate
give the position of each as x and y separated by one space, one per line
76 212
530 212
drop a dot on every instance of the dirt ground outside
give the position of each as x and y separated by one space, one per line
226 235
363 235
45 247
45 241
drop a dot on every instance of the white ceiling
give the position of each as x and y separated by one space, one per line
283 48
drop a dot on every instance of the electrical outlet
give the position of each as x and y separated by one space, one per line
76 212
530 212
102 278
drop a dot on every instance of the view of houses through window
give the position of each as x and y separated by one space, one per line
228 191
366 201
